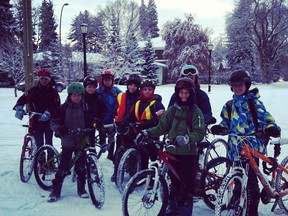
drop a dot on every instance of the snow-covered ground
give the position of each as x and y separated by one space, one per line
28 199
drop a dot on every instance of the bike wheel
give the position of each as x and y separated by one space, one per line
281 184
95 180
217 148
129 165
117 159
47 162
29 149
211 179
140 199
229 201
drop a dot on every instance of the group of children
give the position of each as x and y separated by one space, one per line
183 123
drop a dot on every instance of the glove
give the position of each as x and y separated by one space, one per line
19 112
218 129
182 140
62 131
140 138
45 116
272 131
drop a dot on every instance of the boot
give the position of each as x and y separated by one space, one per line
56 190
81 189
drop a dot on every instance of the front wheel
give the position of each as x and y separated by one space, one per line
140 198
95 180
232 196
217 148
47 162
29 149
281 185
129 165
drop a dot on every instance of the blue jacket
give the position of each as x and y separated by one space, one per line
109 96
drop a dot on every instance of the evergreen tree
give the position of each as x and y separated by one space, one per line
153 19
48 35
7 23
149 67
143 21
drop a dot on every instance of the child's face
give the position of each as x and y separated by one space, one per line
90 89
76 98
147 91
44 81
239 88
184 95
107 82
132 88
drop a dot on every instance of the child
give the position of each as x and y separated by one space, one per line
184 125
246 115
72 114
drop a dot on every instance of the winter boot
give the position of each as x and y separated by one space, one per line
81 189
56 190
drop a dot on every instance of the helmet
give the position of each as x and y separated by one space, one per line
239 76
189 70
185 83
75 88
43 72
134 79
107 74
90 80
148 83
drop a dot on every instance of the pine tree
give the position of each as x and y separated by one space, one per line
153 19
149 67
7 22
143 21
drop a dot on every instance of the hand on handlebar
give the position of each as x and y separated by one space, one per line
141 137
219 130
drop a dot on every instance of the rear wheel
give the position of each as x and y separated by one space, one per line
129 165
229 201
282 185
217 148
139 198
29 149
211 179
95 181
47 162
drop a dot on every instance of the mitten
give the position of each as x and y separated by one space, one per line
62 131
45 116
218 129
19 112
140 138
182 140
272 131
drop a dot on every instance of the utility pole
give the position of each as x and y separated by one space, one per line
28 48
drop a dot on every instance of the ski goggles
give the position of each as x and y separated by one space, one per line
190 72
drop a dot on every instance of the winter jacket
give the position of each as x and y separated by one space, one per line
40 98
73 116
202 100
176 123
109 96
240 121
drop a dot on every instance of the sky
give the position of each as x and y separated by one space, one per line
26 199
208 13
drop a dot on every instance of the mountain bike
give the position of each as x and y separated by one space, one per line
47 164
29 149
130 162
232 198
147 191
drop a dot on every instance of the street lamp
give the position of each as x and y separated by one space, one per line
84 28
210 48
61 22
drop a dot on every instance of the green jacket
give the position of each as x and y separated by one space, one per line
176 122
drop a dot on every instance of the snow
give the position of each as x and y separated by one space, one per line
28 199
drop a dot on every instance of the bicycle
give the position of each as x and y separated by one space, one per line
29 149
47 162
232 195
147 191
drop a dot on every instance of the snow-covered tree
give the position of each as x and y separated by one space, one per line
186 43
152 19
143 20
149 67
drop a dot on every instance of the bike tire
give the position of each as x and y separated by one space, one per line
211 179
228 200
129 165
28 152
95 180
217 148
117 159
135 199
47 162
281 185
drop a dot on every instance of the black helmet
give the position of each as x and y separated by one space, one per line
240 76
90 80
134 79
148 83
